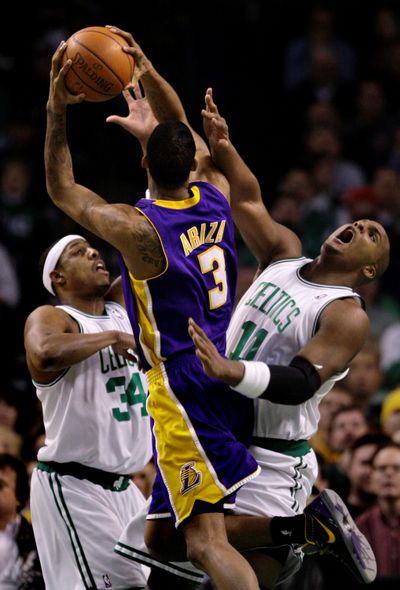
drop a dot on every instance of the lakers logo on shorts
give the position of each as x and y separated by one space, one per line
190 477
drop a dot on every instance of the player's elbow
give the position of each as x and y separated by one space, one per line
47 357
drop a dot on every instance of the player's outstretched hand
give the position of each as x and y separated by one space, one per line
142 63
140 120
215 126
214 364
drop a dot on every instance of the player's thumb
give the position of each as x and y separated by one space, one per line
115 119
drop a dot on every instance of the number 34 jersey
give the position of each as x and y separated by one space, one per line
199 279
95 412
275 318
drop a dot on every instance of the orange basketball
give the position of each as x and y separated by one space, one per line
99 68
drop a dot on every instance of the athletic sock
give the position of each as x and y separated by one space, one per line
288 529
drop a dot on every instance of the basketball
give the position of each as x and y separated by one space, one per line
100 68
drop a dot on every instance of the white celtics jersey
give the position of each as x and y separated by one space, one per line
275 318
95 412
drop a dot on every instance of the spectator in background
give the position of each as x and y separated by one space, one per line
359 202
10 441
369 134
347 424
324 142
381 522
323 84
358 470
321 33
8 410
380 312
337 398
19 563
390 415
365 378
21 231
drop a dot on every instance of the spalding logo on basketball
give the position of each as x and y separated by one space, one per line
100 68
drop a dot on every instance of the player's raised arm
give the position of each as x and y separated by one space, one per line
266 238
119 224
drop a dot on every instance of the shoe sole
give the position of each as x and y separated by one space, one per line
357 545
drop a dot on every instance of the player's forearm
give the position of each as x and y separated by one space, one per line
59 351
244 186
163 99
57 156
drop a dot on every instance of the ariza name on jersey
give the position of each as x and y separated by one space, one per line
207 233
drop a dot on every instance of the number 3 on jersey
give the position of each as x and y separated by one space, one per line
207 260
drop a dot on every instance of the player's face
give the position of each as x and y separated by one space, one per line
8 498
361 243
83 267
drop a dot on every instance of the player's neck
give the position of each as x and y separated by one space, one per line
317 272
178 194
90 306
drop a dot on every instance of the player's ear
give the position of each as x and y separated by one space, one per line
145 163
194 165
369 271
57 278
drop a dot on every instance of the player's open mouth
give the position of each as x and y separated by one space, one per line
100 267
346 236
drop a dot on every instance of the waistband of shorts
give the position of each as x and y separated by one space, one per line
293 448
159 371
109 481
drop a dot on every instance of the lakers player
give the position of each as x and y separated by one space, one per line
292 467
179 259
97 430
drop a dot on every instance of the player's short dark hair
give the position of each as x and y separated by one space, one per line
22 482
370 438
170 154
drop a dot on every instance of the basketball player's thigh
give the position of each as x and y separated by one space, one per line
87 521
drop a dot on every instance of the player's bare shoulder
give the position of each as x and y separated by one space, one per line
347 318
142 249
46 316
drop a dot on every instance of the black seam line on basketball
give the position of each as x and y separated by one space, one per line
99 58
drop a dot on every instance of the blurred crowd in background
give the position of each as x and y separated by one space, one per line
311 92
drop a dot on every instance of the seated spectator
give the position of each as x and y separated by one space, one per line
347 424
10 441
390 415
381 522
359 472
8 410
338 397
19 562
321 32
365 379
380 314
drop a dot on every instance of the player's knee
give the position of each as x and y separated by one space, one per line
197 552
